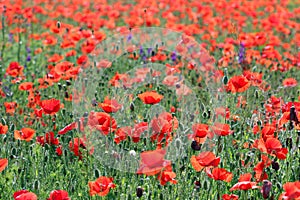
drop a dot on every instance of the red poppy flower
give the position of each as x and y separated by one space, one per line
163 125
122 133
82 60
137 130
182 90
102 121
204 159
3 164
254 77
50 106
200 130
170 80
167 176
238 84
268 131
219 174
221 111
271 146
244 183
58 150
10 107
221 129
3 129
291 191
110 106
230 197
289 82
259 169
76 144
152 162
26 86
48 138
104 64
101 186
14 69
55 58
59 195
24 195
25 134
67 128
151 97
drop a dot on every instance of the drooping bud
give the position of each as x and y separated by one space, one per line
58 24
139 192
266 188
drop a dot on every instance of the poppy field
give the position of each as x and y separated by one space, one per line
137 99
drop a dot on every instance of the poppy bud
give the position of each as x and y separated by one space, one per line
197 184
139 192
205 115
256 94
192 117
266 188
275 166
36 185
293 115
195 146
97 173
94 102
68 82
66 95
225 80
205 185
58 24
289 142
153 53
86 114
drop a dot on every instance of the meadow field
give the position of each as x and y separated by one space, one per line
148 99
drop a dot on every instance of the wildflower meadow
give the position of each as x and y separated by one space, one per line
148 99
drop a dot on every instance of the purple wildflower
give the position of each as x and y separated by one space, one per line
28 50
173 56
141 50
129 37
10 37
241 53
149 51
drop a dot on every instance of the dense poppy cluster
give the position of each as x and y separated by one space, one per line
46 45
